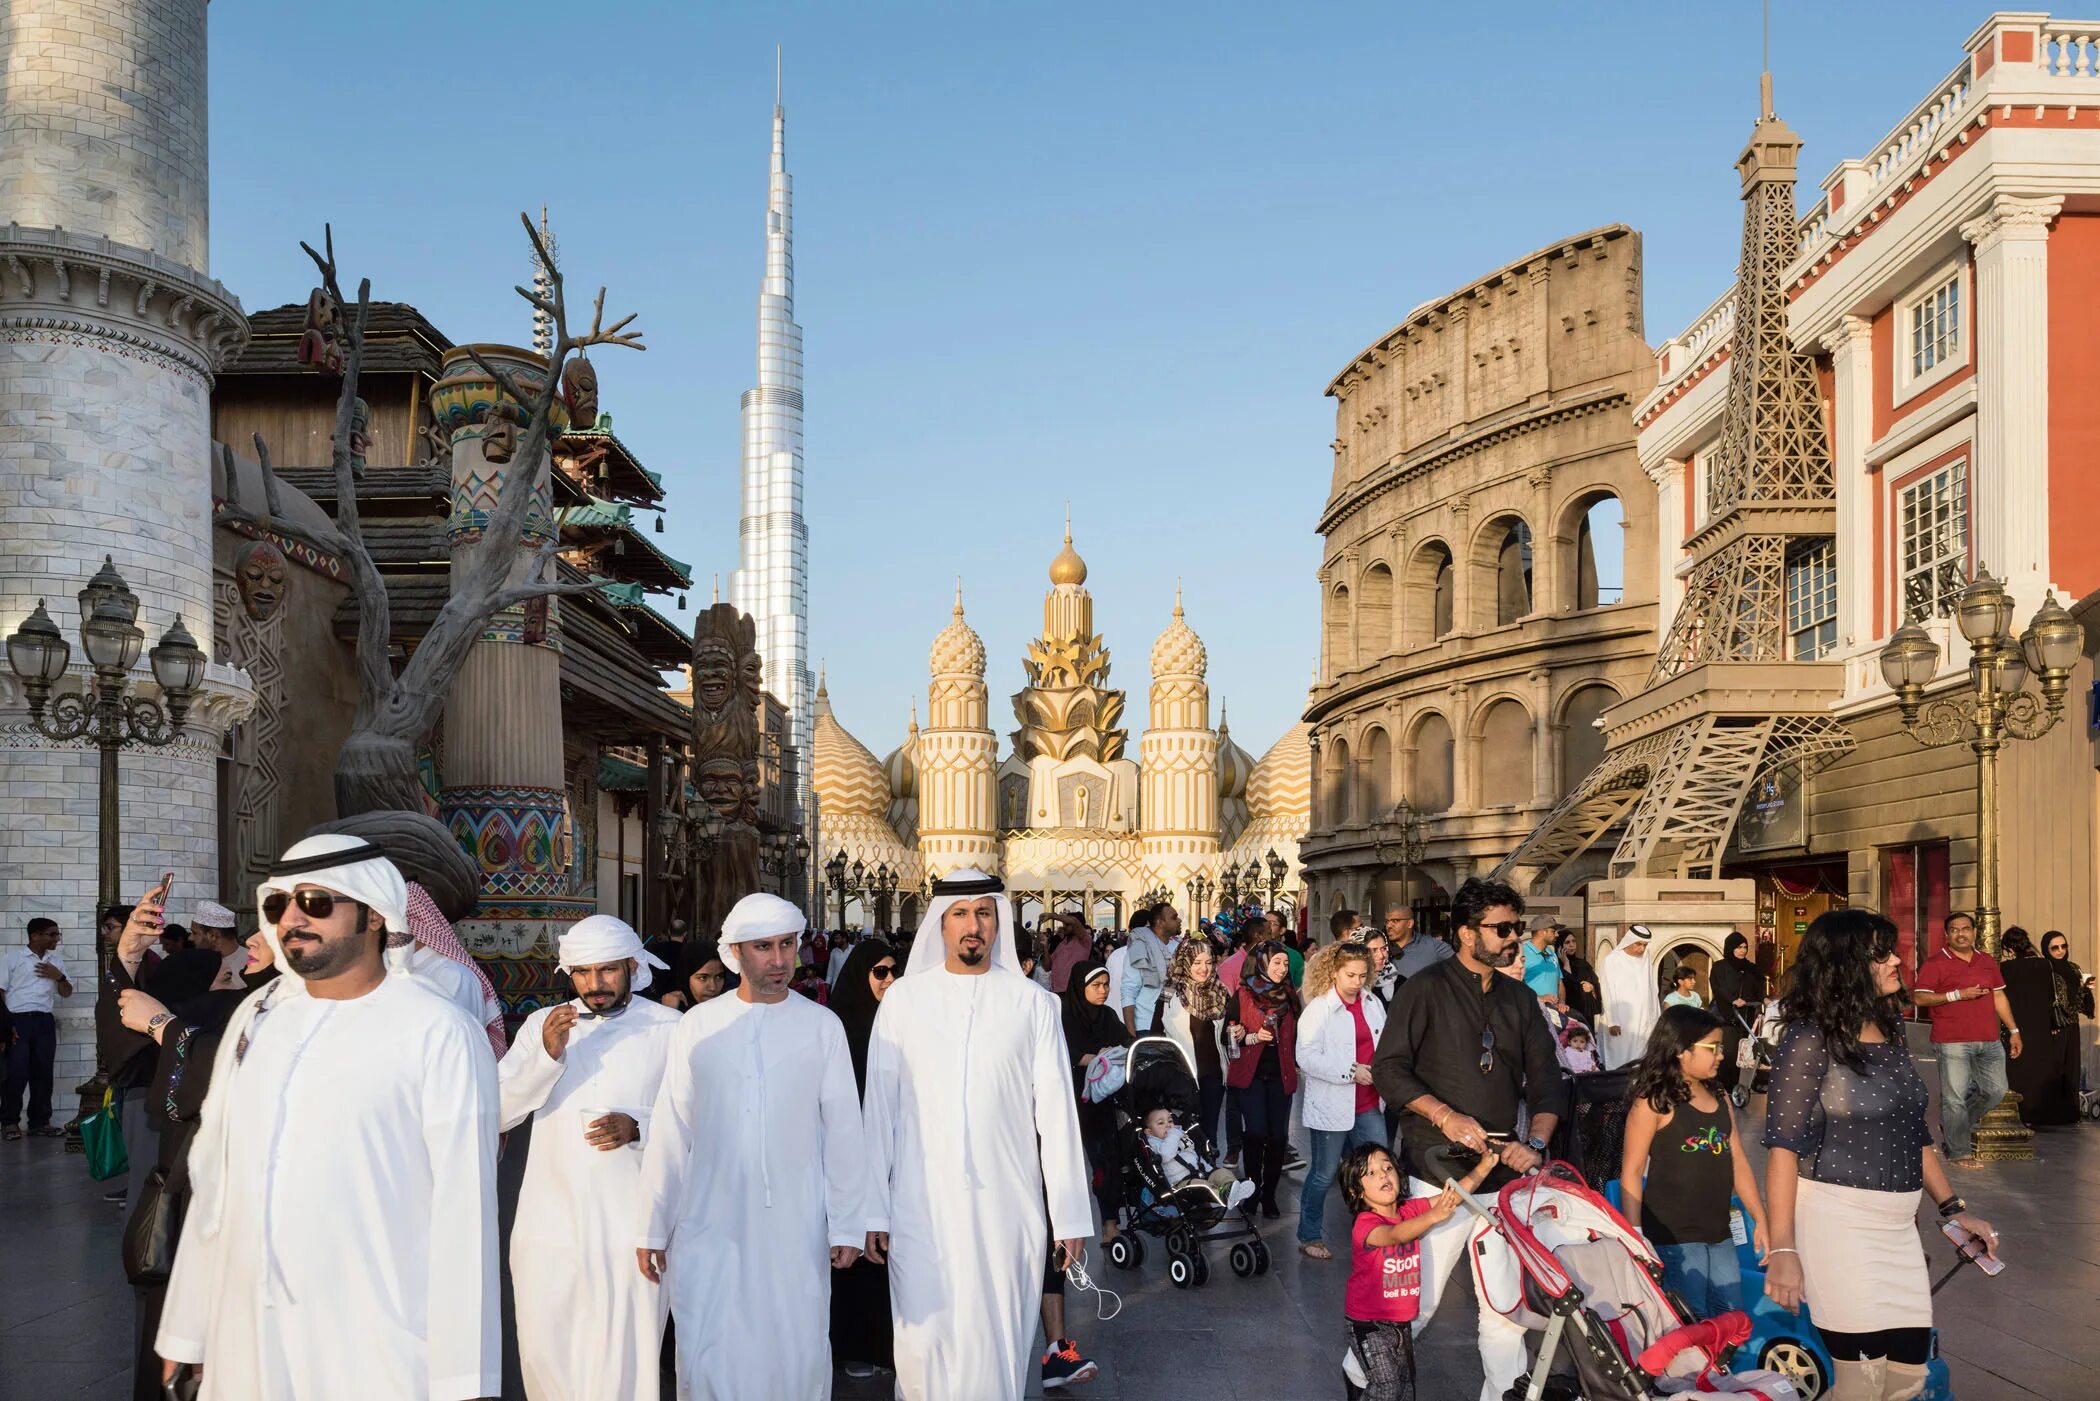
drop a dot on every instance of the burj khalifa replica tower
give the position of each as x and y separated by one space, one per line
772 577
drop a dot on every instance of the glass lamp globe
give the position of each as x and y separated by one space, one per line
1909 658
112 640
178 662
2053 640
37 651
1984 609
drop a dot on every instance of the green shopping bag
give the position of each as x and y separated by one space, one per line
102 1138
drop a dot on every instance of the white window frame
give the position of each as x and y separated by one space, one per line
1963 463
1824 610
1909 382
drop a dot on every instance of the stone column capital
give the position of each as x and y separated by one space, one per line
2013 218
1852 335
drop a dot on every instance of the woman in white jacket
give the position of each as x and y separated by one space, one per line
1193 1010
1337 1037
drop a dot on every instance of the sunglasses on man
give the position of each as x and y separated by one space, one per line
314 904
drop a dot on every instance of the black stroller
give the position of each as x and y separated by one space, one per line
1160 1076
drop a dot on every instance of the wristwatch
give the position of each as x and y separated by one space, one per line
160 1019
1536 1145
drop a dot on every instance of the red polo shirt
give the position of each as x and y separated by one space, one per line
1973 1018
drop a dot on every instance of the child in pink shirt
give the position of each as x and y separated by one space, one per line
1384 1293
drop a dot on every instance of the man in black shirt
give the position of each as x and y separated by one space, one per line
1465 1046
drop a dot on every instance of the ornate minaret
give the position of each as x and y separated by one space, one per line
1178 758
111 330
958 756
772 578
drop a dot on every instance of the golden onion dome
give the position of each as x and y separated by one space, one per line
846 777
1179 654
1235 765
1068 567
902 766
958 649
1280 784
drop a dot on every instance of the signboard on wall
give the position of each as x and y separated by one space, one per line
1775 814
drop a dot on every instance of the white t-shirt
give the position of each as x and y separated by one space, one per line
26 992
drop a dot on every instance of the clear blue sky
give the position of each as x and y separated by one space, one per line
1110 253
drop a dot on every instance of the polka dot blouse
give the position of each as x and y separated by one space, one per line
1851 1128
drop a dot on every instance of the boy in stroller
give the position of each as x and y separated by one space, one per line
1180 1160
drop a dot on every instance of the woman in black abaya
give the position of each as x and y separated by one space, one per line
861 1335
2045 995
1739 995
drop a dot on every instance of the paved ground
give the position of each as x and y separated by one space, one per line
65 1312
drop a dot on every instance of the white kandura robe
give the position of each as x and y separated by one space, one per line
965 1073
752 1172
1630 1004
341 1245
589 1325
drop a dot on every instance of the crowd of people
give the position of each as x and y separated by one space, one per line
913 1134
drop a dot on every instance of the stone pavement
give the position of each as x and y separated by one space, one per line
65 1311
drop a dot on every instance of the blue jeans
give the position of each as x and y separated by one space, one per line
1706 1276
1972 1081
1328 1145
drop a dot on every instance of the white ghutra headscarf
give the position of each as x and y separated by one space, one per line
928 950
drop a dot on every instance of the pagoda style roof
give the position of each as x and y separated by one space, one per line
614 472
398 340
598 523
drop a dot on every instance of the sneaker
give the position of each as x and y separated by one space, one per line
48 1131
11 1132
118 1197
859 1371
1063 1366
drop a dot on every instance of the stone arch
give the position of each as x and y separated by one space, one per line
1336 630
1374 612
1506 736
1582 743
1431 776
1376 786
1428 594
1590 547
1502 564
1334 782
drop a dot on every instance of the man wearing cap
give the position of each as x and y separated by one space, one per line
971 1128
212 928
1630 1001
587 1072
753 1181
341 1239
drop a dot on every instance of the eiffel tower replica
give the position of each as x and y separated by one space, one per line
1726 711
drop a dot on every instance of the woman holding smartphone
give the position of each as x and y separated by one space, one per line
1848 1153
1265 1028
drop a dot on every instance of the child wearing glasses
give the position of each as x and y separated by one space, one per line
1683 1160
1384 1293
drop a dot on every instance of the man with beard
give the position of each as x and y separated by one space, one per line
1630 1002
971 1126
1464 1048
587 1072
341 1241
753 1182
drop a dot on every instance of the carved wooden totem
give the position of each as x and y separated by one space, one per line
726 682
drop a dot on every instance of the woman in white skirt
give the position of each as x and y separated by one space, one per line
1848 1154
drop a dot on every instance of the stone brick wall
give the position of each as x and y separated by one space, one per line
106 121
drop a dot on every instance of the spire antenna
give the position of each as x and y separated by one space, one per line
1764 81
776 75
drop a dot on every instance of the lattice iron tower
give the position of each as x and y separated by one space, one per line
1680 786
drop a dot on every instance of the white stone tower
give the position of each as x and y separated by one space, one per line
1178 758
110 331
771 582
958 757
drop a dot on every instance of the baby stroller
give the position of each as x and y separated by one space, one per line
1590 1283
1161 1076
1760 1040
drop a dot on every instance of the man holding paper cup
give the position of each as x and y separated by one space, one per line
587 1072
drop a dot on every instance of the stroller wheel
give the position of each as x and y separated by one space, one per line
1199 1270
1261 1256
1241 1259
1739 1096
1126 1251
1181 1269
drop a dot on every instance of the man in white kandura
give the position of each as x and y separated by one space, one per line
970 1124
1631 1004
587 1072
753 1183
341 1242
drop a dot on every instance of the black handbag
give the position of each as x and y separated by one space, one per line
149 1236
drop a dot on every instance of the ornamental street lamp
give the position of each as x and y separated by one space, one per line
1400 844
107 715
1199 895
1995 707
1229 886
1278 869
835 875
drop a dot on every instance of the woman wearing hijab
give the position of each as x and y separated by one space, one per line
1265 1026
861 1336
2045 1074
1193 1013
1092 1027
1579 987
187 1036
1739 992
697 975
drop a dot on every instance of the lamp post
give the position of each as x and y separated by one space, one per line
1199 895
1996 706
107 715
1400 844
1278 869
835 877
1229 886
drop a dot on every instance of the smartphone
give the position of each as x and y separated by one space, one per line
158 896
1972 1249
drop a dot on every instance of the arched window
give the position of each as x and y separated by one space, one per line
1582 746
1512 573
1377 798
1426 610
1433 768
1374 614
1340 656
1505 755
1334 783
1599 564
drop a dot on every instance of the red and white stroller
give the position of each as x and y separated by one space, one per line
1591 1285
